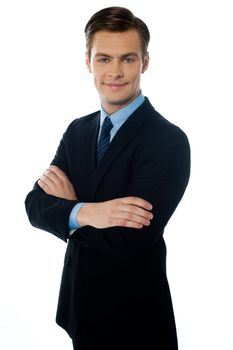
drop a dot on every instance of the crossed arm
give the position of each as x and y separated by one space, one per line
132 212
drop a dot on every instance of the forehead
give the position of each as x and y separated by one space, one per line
116 43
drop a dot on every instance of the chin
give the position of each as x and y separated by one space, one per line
120 101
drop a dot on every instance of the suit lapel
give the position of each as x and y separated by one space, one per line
125 135
88 152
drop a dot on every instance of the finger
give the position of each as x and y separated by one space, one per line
137 201
127 223
137 210
44 187
53 176
133 218
48 179
59 173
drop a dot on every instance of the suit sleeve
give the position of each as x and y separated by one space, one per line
48 212
160 178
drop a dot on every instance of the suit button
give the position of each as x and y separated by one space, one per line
85 268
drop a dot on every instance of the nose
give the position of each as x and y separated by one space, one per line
115 70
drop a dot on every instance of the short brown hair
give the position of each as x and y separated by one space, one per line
116 19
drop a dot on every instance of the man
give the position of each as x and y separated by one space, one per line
115 181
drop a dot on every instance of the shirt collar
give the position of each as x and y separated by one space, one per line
119 117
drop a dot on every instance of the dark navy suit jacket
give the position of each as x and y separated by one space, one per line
113 271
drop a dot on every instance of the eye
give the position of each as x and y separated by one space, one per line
128 59
103 59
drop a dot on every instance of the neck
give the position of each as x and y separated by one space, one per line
111 108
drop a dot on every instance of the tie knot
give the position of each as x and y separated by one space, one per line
107 125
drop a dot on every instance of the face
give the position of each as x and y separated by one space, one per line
116 62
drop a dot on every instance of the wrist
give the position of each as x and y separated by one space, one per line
83 216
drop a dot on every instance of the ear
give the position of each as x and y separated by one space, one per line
146 60
88 63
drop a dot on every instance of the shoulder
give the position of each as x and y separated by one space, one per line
78 124
159 129
84 120
159 139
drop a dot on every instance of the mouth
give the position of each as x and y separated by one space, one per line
115 86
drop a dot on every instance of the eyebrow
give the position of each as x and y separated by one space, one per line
101 54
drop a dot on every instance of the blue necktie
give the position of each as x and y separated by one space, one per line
104 139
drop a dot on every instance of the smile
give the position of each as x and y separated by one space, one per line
115 86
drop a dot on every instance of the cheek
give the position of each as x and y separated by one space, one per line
136 78
98 75
135 73
98 82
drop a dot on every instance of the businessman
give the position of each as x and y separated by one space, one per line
115 181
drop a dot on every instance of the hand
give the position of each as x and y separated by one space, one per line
130 212
56 183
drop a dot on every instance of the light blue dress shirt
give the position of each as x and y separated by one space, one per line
118 118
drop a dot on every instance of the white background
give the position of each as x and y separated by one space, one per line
44 85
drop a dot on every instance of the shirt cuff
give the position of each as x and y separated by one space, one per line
73 223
